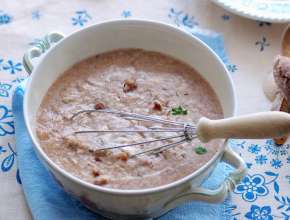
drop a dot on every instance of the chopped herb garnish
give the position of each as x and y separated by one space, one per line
179 111
200 150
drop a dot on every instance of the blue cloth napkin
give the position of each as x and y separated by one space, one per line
48 201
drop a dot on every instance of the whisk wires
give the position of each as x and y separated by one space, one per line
187 131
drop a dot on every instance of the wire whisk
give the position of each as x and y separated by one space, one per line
255 126
185 131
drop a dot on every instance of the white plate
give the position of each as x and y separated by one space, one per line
277 11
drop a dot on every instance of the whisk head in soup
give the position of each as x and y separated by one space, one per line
184 132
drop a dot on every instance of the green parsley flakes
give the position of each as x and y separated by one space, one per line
200 150
179 111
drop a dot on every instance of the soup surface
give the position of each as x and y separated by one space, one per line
131 80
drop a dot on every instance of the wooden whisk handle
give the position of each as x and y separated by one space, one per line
253 126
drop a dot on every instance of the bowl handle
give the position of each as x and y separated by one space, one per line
219 194
41 46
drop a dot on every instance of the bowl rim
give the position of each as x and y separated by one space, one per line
128 192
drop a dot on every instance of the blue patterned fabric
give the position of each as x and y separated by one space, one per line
48 201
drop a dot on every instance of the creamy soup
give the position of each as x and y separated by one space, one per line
131 80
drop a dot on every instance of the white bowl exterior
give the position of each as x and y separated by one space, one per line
108 36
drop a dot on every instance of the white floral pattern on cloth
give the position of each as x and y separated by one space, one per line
264 194
267 183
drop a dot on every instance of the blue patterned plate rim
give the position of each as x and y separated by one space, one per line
277 11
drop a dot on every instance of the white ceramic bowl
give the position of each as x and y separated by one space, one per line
144 203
